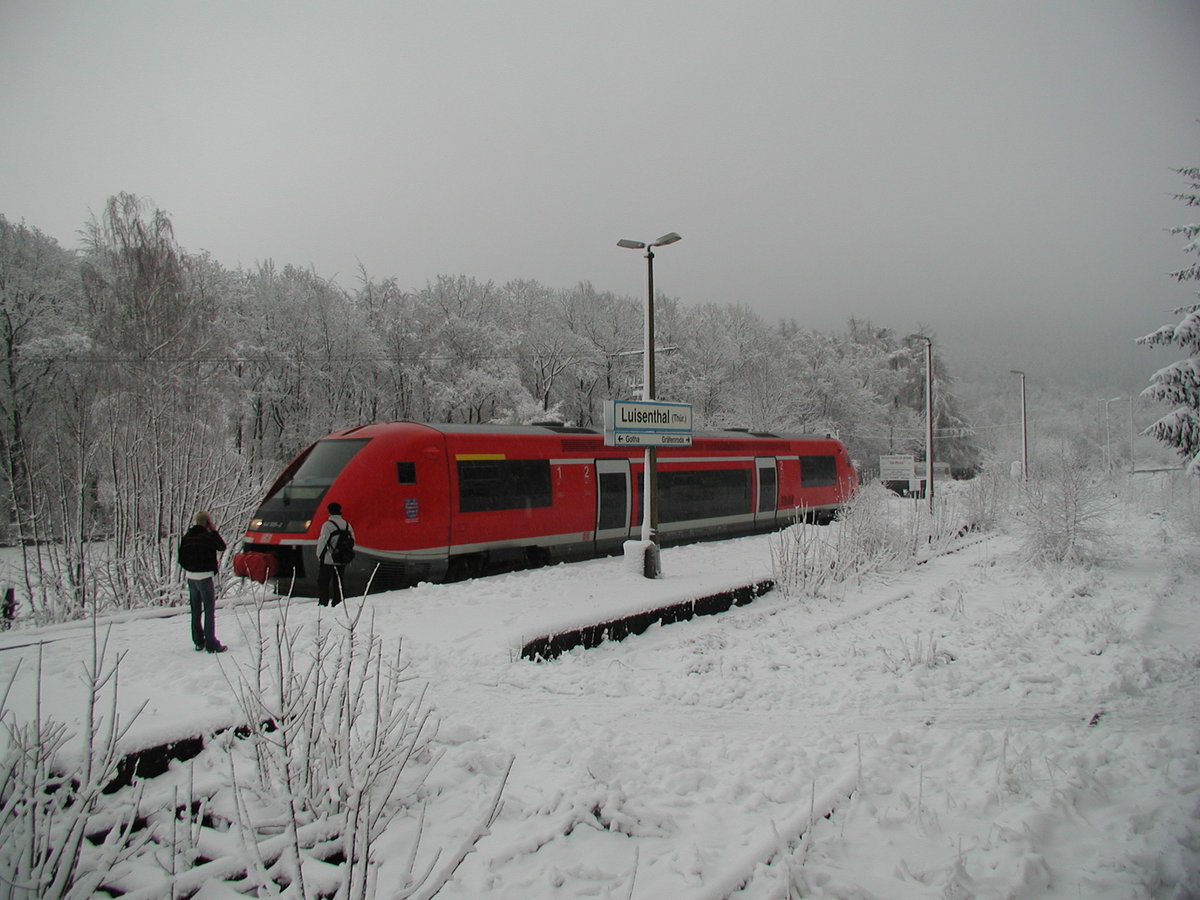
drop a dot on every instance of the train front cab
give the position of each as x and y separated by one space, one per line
286 521
391 482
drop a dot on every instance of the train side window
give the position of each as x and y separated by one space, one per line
818 471
406 472
703 493
496 484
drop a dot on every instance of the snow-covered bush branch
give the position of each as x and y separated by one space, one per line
60 839
874 532
1064 513
339 734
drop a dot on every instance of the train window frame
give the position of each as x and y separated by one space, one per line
689 495
320 466
406 472
496 485
818 470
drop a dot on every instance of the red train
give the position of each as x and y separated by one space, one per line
436 502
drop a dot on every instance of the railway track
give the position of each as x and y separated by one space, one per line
631 689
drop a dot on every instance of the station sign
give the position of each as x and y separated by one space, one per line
647 423
897 467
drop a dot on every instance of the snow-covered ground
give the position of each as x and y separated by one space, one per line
969 728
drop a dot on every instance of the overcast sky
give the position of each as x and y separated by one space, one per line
1000 172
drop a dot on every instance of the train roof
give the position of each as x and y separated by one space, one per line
555 428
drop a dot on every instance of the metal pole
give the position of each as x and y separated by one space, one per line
929 423
1024 429
651 565
648 349
1107 439
1132 432
1108 434
1024 433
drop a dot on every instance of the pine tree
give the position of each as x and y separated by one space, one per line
1179 383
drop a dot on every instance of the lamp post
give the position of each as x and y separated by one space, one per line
1132 434
1108 435
1024 428
928 418
651 567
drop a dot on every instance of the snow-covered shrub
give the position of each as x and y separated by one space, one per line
1064 513
874 531
808 559
61 840
983 501
921 651
339 736
1172 495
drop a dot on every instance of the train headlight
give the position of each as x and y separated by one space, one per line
255 524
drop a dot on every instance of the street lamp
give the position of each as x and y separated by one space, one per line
1108 434
1132 433
928 417
651 567
1024 431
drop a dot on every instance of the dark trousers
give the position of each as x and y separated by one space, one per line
329 585
202 596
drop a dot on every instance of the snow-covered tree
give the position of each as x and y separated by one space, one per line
396 376
1179 383
39 288
705 373
157 438
954 439
606 328
547 351
306 361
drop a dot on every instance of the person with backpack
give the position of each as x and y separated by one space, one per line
335 550
199 552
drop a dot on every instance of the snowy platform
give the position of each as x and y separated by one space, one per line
526 615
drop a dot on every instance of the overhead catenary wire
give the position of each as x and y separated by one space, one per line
91 360
957 431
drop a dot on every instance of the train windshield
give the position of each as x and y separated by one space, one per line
296 496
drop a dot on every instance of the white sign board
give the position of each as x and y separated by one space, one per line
897 467
642 423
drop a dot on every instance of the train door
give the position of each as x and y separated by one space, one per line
612 500
767 491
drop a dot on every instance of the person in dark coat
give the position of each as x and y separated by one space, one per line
199 552
329 575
